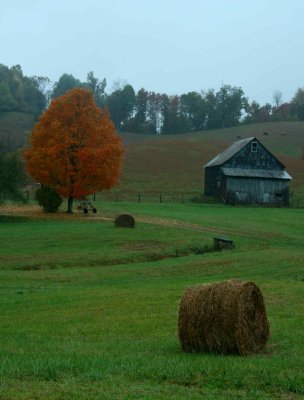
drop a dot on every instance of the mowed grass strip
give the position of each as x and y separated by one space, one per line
103 331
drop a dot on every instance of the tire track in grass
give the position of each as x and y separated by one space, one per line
173 223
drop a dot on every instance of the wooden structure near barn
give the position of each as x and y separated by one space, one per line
247 173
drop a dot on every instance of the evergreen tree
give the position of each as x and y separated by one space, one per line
298 104
98 89
121 104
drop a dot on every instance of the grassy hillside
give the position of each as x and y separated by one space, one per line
176 162
89 311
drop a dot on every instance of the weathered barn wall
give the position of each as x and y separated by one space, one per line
247 173
260 159
257 191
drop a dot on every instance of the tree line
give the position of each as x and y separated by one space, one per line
147 111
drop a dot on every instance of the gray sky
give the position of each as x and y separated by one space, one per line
168 46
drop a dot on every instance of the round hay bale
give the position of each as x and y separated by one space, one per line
226 318
124 221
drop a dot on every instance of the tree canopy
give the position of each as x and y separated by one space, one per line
65 83
298 103
74 148
121 104
147 111
19 92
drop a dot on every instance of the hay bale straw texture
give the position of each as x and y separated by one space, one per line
124 221
226 318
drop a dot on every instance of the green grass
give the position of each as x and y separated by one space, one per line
49 244
89 311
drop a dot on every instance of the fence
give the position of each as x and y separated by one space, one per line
296 199
149 197
138 197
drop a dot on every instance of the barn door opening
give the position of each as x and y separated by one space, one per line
242 197
266 198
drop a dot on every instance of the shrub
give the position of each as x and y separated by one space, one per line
200 249
48 199
193 248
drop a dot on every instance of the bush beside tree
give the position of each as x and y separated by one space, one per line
48 199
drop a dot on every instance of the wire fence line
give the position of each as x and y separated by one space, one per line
139 196
149 197
296 199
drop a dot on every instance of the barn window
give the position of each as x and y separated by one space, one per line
254 147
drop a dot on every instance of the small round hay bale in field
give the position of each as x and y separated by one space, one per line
124 221
226 318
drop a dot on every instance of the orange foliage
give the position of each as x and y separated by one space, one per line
74 148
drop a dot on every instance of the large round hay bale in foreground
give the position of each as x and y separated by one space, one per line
226 318
125 221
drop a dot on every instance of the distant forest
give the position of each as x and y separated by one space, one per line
145 111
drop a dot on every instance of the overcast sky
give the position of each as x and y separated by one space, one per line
168 46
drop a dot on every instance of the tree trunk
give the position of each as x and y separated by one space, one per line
70 205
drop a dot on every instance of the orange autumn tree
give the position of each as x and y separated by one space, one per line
74 148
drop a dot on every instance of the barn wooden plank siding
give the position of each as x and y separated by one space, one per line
247 173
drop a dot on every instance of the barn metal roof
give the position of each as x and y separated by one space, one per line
229 152
256 173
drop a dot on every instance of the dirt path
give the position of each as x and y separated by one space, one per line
217 231
177 224
173 223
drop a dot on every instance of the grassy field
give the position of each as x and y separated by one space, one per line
89 311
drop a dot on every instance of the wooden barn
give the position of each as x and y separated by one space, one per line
247 173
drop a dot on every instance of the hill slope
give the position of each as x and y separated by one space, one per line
175 162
